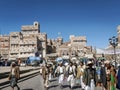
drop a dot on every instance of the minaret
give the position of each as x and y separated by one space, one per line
118 31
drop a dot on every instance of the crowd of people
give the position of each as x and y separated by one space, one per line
101 75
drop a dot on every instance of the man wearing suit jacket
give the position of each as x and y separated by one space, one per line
90 76
105 75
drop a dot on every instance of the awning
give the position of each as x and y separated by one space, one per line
112 51
34 58
89 55
59 59
65 57
74 58
12 59
52 55
101 58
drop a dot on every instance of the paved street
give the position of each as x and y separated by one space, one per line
7 69
35 83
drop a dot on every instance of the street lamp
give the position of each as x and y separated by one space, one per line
114 42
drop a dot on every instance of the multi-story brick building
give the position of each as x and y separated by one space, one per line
76 47
53 46
30 40
14 45
27 42
4 46
109 51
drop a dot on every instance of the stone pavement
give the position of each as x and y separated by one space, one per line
33 70
36 83
7 69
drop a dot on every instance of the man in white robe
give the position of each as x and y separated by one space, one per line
71 75
61 71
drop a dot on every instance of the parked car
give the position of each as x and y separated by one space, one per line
8 63
35 63
23 64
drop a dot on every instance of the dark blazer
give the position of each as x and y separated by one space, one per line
87 78
118 79
103 77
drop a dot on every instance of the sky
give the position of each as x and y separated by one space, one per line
95 19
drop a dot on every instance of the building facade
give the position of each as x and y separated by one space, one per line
30 41
109 51
76 47
4 46
27 42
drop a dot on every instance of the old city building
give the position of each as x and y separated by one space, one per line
27 42
30 40
52 47
109 51
4 46
76 47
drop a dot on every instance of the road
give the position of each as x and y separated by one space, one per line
36 83
7 69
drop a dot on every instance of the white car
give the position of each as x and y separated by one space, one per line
23 64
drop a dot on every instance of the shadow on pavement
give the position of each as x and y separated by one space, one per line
28 89
53 80
28 77
53 86
75 87
21 80
65 86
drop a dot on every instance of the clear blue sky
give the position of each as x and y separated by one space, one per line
95 19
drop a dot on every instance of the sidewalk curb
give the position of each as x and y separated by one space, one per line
6 83
5 74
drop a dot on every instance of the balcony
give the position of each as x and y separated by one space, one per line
26 55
